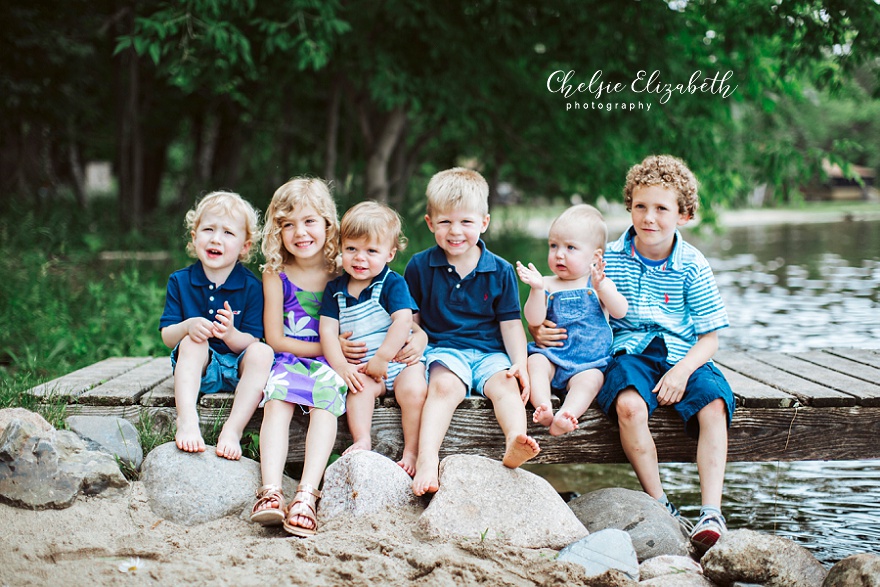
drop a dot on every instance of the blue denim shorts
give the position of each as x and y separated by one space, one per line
643 371
473 367
221 373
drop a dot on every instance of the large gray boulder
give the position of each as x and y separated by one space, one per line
754 557
480 497
858 570
668 564
42 467
111 434
364 482
193 488
603 551
653 530
683 580
37 421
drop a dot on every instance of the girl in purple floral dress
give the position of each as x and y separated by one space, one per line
300 243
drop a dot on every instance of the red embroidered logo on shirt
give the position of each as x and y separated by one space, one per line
485 296
666 295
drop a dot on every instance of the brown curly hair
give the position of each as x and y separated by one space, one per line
670 172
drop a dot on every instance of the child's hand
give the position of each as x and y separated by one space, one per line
530 275
199 329
597 269
352 377
522 377
547 335
375 368
354 352
412 350
224 323
671 387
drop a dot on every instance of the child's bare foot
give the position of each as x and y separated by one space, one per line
188 436
427 479
408 463
229 445
563 423
543 415
520 450
358 446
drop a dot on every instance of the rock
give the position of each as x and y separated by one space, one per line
753 557
682 580
858 570
192 488
668 564
363 483
479 497
602 551
113 435
653 531
9 414
42 468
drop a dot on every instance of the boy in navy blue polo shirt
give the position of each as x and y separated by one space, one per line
213 320
468 301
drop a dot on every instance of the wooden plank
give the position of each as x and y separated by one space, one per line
867 357
807 392
74 384
822 376
860 378
128 388
160 396
754 394
159 416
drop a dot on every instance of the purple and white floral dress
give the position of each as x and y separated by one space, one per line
305 381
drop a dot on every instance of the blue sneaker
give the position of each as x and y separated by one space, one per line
708 530
686 526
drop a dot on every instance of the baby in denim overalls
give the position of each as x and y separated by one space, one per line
576 297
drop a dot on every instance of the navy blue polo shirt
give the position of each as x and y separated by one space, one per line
463 313
190 294
395 295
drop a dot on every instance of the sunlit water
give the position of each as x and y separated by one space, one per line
786 288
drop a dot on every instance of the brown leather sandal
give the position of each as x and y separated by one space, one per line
269 515
305 504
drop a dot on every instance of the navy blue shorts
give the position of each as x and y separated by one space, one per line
643 371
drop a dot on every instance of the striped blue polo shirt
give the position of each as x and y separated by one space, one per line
677 300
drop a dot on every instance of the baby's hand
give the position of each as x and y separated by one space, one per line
597 269
199 329
224 324
375 368
530 275
353 351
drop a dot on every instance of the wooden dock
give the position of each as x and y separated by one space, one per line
816 405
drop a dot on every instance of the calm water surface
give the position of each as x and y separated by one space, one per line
786 288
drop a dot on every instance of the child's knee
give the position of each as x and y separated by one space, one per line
259 353
630 406
716 410
538 363
446 385
188 347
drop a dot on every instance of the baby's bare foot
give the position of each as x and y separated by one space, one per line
563 423
427 479
520 450
543 415
188 436
358 446
229 445
408 463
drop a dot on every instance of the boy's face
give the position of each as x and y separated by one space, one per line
655 217
304 233
457 231
570 254
365 258
220 240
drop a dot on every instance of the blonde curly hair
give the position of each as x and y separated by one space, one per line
298 193
226 204
670 172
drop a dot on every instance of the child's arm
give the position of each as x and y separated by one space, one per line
273 321
611 299
199 329
329 330
415 346
395 338
535 308
515 344
671 387
224 329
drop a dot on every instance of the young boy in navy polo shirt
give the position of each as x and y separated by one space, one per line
469 308
213 320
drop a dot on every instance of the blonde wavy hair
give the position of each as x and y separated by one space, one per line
225 204
670 172
584 221
373 221
299 192
458 189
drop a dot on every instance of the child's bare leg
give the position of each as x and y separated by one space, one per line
712 451
637 442
410 390
320 439
255 367
541 372
359 407
582 390
511 415
192 358
445 392
274 438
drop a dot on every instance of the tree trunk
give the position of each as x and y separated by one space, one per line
377 164
130 151
331 154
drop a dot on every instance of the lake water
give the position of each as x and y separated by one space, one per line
786 288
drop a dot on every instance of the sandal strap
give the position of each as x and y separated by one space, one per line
266 490
308 488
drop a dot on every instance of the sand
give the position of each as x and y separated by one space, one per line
86 543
